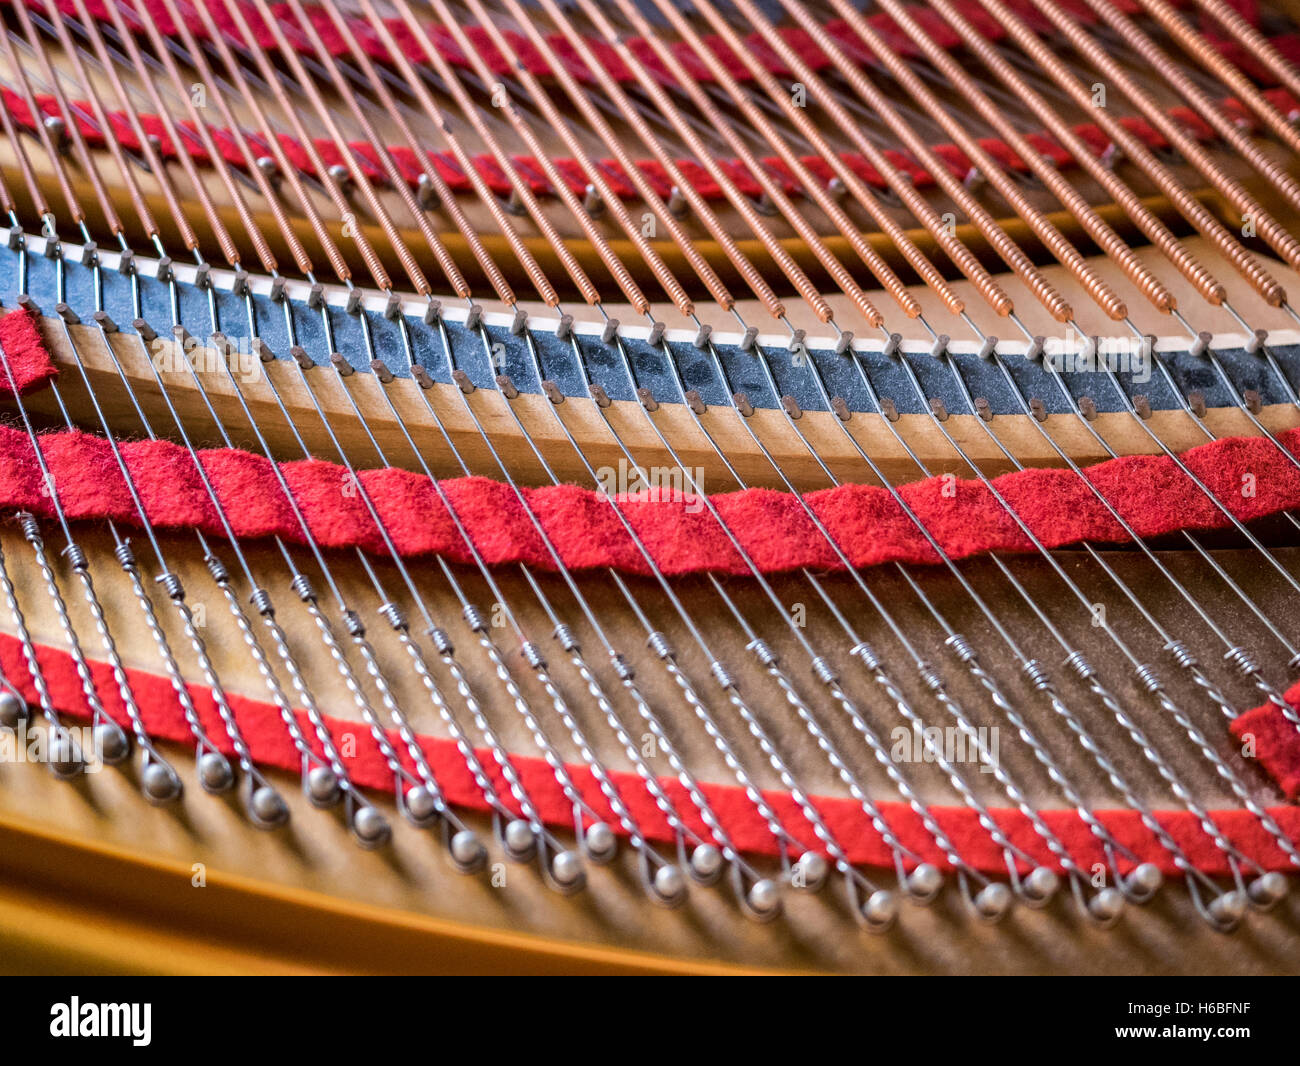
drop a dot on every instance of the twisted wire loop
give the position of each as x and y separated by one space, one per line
205 747
703 864
663 650
264 803
70 759
353 684
407 735
1146 878
124 690
867 656
1012 790
159 782
262 661
1084 670
296 79
664 885
562 710
879 909
1146 674
463 745
1152 682
484 726
1043 878
332 757
669 810
109 737
530 719
1235 655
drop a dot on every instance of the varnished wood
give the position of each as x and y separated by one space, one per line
93 879
98 880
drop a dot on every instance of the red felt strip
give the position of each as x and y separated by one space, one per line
498 182
1152 494
1276 741
29 361
440 39
90 486
272 748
